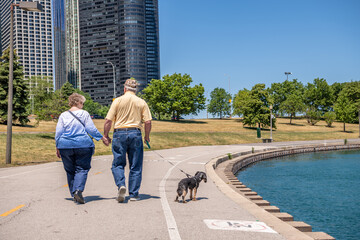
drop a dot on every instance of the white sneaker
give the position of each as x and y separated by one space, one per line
137 198
121 194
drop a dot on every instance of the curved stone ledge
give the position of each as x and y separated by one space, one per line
241 160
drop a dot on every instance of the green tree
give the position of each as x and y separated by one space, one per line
345 109
319 95
239 101
52 107
293 104
347 106
175 95
255 108
40 90
336 89
20 92
280 93
329 117
219 103
313 115
183 99
155 94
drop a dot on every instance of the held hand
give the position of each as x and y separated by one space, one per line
105 141
58 153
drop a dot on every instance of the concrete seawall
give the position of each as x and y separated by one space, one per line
226 168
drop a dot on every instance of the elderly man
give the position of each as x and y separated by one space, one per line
128 112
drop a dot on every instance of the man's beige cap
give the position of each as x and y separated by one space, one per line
131 84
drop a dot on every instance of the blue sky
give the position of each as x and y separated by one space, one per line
256 41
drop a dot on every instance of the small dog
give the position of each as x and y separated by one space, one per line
190 183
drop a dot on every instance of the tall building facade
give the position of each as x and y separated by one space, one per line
119 39
59 43
32 37
66 43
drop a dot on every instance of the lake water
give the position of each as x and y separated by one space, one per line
321 189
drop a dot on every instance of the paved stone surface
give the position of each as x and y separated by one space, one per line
50 213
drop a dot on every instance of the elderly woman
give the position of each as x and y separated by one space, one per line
74 144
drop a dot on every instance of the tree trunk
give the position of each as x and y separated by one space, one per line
344 126
290 118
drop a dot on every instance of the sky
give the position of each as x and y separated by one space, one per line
245 42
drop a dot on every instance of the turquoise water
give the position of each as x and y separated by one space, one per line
321 189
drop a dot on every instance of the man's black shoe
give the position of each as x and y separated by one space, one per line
78 197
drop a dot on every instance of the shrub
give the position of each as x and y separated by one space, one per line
329 118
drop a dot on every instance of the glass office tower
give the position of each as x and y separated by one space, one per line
101 34
66 43
32 37
59 43
123 34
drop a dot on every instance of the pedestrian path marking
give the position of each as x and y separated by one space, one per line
66 185
97 173
169 217
12 210
246 226
200 163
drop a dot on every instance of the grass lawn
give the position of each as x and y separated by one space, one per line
35 144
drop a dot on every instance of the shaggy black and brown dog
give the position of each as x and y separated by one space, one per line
190 183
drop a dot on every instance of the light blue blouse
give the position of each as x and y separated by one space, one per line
70 133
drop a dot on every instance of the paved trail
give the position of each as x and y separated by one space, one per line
46 211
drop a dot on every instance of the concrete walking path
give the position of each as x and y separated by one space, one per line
42 207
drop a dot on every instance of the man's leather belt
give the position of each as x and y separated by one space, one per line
125 129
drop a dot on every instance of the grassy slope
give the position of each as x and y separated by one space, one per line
36 144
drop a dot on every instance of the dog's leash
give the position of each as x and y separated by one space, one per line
188 175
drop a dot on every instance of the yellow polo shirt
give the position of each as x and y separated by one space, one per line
129 111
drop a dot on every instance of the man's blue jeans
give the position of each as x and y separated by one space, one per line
77 165
128 142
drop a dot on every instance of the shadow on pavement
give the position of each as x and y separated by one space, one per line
147 196
91 198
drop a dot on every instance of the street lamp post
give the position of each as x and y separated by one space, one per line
26 6
114 77
229 93
287 75
271 117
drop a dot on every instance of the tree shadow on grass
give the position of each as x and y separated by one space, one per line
184 121
292 124
19 125
262 129
46 137
346 131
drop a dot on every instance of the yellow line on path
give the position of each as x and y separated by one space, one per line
66 185
97 173
12 210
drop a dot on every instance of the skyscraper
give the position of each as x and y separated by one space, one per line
32 37
123 34
59 43
66 43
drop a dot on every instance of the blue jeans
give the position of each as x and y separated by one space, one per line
128 142
77 165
